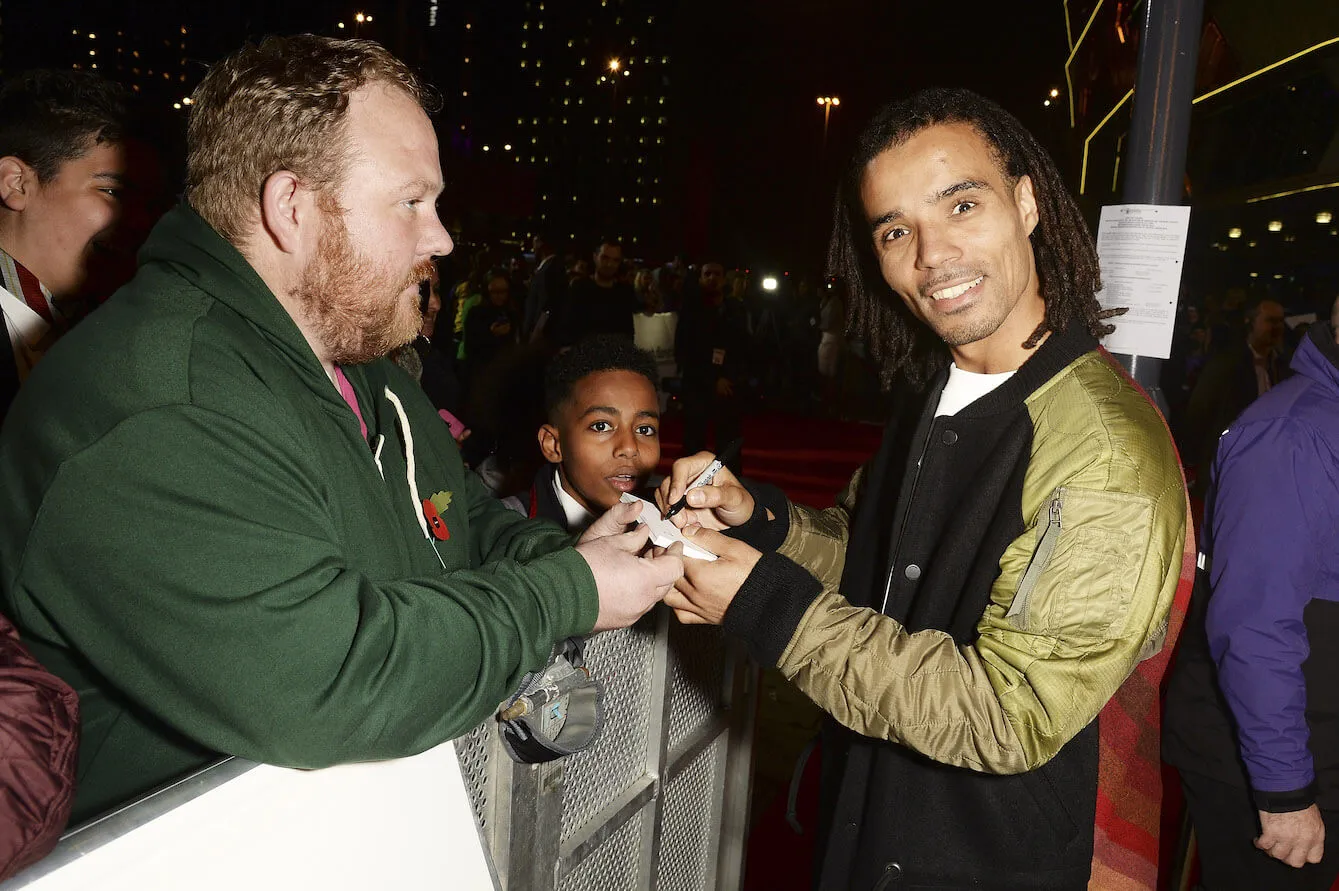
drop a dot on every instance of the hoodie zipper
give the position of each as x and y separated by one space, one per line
1040 558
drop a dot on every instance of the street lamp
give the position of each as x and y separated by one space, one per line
614 65
828 103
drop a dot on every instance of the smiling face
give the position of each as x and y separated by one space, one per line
605 437
950 234
57 221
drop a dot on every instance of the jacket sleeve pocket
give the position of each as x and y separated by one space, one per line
1084 572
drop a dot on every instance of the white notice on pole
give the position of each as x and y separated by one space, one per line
1142 250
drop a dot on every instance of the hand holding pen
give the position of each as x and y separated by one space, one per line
718 501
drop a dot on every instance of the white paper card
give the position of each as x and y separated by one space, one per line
1142 250
663 532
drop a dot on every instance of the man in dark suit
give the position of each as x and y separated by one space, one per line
548 287
1232 380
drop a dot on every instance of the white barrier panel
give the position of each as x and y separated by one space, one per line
392 824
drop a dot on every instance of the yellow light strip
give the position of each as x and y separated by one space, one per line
1069 33
1267 68
1083 175
1318 188
1072 53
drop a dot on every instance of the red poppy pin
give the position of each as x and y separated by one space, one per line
433 508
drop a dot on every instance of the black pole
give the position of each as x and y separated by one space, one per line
1160 128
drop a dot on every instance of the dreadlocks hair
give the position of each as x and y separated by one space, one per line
1065 256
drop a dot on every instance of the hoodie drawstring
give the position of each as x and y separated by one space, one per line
409 462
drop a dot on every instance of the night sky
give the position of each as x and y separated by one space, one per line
750 72
762 68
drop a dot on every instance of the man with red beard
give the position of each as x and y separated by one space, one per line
233 525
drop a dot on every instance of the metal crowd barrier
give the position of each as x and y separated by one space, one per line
659 802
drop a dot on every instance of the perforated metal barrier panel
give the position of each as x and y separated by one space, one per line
659 802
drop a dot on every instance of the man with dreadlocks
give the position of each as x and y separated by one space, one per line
990 579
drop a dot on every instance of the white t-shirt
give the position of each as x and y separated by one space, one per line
965 387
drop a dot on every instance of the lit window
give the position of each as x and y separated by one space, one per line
523 63
539 63
664 60
525 27
520 122
569 43
633 41
524 44
662 100
583 61
464 92
567 101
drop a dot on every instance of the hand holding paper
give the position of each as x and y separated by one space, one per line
663 532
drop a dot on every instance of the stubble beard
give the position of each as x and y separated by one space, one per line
356 311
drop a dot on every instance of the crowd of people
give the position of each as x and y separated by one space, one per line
299 492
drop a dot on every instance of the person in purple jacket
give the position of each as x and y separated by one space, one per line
1252 713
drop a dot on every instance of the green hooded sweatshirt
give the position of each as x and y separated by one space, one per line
196 536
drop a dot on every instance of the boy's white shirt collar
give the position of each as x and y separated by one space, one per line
578 518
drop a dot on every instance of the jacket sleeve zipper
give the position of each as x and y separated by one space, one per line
1040 558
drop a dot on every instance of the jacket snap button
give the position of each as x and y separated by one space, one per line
912 571
891 878
950 437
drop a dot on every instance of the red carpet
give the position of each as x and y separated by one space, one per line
810 459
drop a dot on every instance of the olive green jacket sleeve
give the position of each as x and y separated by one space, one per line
1071 612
